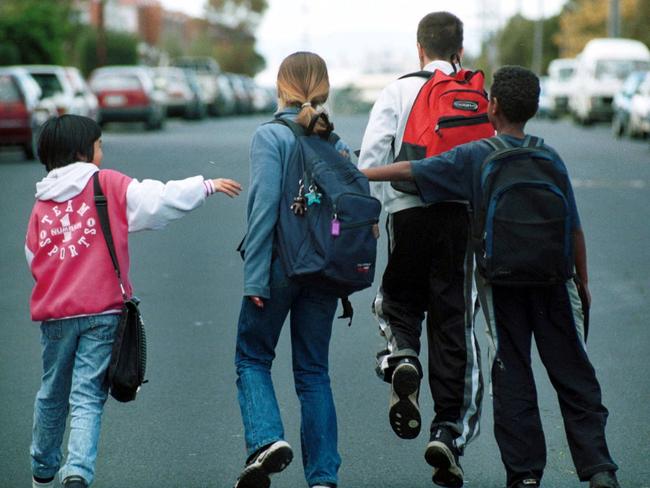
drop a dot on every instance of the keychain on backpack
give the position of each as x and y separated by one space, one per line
298 207
335 228
313 197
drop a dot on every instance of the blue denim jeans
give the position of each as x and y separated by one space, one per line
311 315
76 353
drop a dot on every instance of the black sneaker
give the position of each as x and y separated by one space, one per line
270 460
527 483
443 455
604 479
404 413
75 482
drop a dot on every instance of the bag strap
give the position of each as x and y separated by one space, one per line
533 141
497 143
101 203
419 74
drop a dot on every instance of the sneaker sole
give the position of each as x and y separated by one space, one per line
257 475
445 470
404 414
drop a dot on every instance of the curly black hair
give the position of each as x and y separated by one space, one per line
517 90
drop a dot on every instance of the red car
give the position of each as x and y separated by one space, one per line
21 110
128 94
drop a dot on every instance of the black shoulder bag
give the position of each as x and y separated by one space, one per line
129 356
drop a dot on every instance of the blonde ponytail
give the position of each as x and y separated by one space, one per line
303 82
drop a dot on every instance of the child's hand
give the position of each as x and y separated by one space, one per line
229 187
259 303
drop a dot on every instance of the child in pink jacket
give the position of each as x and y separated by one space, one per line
76 295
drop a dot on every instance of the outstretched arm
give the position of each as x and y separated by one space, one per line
392 172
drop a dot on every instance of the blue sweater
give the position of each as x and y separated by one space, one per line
270 151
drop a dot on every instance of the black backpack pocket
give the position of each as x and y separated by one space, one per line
527 237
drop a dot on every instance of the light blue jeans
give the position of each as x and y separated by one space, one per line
312 312
76 353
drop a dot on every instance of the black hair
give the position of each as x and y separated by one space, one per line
517 90
441 36
67 139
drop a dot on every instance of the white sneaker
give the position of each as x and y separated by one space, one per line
269 461
37 484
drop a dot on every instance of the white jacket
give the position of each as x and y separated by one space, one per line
383 137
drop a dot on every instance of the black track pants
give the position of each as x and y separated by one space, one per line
429 271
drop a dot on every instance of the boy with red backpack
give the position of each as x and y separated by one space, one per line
430 263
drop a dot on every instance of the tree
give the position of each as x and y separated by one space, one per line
583 20
36 31
234 43
514 44
121 48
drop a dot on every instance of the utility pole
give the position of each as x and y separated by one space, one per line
538 40
614 24
101 34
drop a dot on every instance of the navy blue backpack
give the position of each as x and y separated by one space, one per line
324 233
522 226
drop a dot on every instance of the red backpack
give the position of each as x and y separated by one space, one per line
449 110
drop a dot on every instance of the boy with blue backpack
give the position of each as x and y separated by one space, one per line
528 244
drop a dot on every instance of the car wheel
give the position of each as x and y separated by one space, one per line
617 127
28 151
155 121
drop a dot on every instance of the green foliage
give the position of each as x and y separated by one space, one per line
230 57
235 51
35 31
121 49
514 44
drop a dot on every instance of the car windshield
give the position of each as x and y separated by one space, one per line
618 69
8 91
49 83
116 82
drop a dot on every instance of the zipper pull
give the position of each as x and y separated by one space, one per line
335 226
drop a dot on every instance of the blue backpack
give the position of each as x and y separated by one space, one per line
324 232
523 225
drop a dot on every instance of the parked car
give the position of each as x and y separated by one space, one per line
559 85
632 106
601 69
243 100
56 85
128 94
83 91
180 99
207 70
226 103
22 111
545 107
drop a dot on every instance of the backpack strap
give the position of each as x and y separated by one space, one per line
101 203
497 143
533 141
418 74
298 130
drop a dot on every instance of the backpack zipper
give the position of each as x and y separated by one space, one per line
459 121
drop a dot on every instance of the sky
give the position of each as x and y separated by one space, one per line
367 35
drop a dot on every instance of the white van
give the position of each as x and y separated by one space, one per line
601 68
559 85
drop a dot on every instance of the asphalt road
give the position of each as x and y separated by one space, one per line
185 429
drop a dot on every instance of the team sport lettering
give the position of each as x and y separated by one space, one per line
67 227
